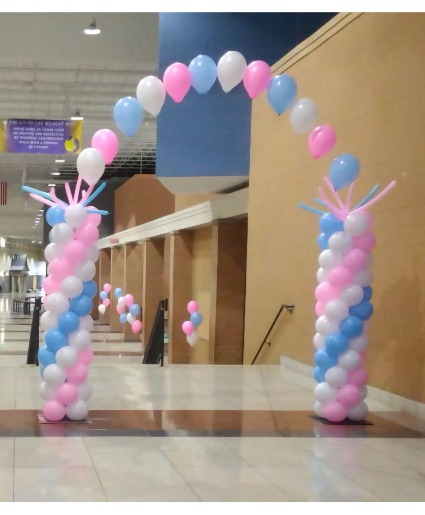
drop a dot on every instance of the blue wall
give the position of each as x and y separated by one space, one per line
209 135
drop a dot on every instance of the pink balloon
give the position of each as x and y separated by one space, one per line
51 285
192 306
322 140
177 81
85 356
93 218
256 78
320 309
67 393
120 309
107 287
87 234
335 412
355 260
364 242
340 277
60 268
358 377
188 328
349 395
75 252
136 326
53 411
326 292
106 302
77 374
129 300
106 142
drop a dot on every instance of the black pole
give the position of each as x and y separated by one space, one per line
33 345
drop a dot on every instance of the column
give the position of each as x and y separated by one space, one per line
104 277
117 281
134 255
153 280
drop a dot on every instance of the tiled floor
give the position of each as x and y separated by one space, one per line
262 443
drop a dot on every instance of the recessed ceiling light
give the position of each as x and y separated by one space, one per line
77 116
60 160
39 242
33 241
51 185
92 29
56 173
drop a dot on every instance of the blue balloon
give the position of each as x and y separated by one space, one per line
128 115
135 310
123 318
55 215
329 224
203 72
336 344
364 310
323 240
351 326
344 170
55 339
318 375
281 92
45 357
103 295
81 305
196 318
367 293
68 322
89 289
324 361
118 293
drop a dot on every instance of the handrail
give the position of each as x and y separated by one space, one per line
290 309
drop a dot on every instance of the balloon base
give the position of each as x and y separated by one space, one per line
43 420
345 422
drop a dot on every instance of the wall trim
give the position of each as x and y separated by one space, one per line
392 400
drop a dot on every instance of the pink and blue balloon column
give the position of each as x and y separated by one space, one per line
124 302
190 327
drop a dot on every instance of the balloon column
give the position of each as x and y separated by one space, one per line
124 302
104 298
190 326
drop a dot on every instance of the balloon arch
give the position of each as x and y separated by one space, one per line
343 294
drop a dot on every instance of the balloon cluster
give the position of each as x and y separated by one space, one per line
124 302
190 326
104 298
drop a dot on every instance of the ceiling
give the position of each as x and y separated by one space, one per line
49 70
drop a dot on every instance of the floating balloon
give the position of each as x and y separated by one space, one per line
256 78
303 115
196 319
321 140
118 292
102 309
188 328
344 169
107 287
192 306
203 72
177 81
90 166
136 326
281 93
151 94
128 115
106 142
230 70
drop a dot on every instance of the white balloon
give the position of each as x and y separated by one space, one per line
121 302
321 275
359 344
53 251
151 94
47 392
329 259
319 341
85 391
325 326
364 278
325 393
303 115
230 70
86 271
340 242
48 320
352 295
193 338
57 303
78 410
72 286
318 409
66 357
349 360
102 309
54 375
61 233
86 323
130 318
90 165
336 377
93 253
80 340
356 224
358 412
75 215
336 310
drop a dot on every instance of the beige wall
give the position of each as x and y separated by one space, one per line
368 81
183 201
201 289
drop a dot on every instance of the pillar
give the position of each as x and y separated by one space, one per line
153 280
104 277
117 281
134 255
